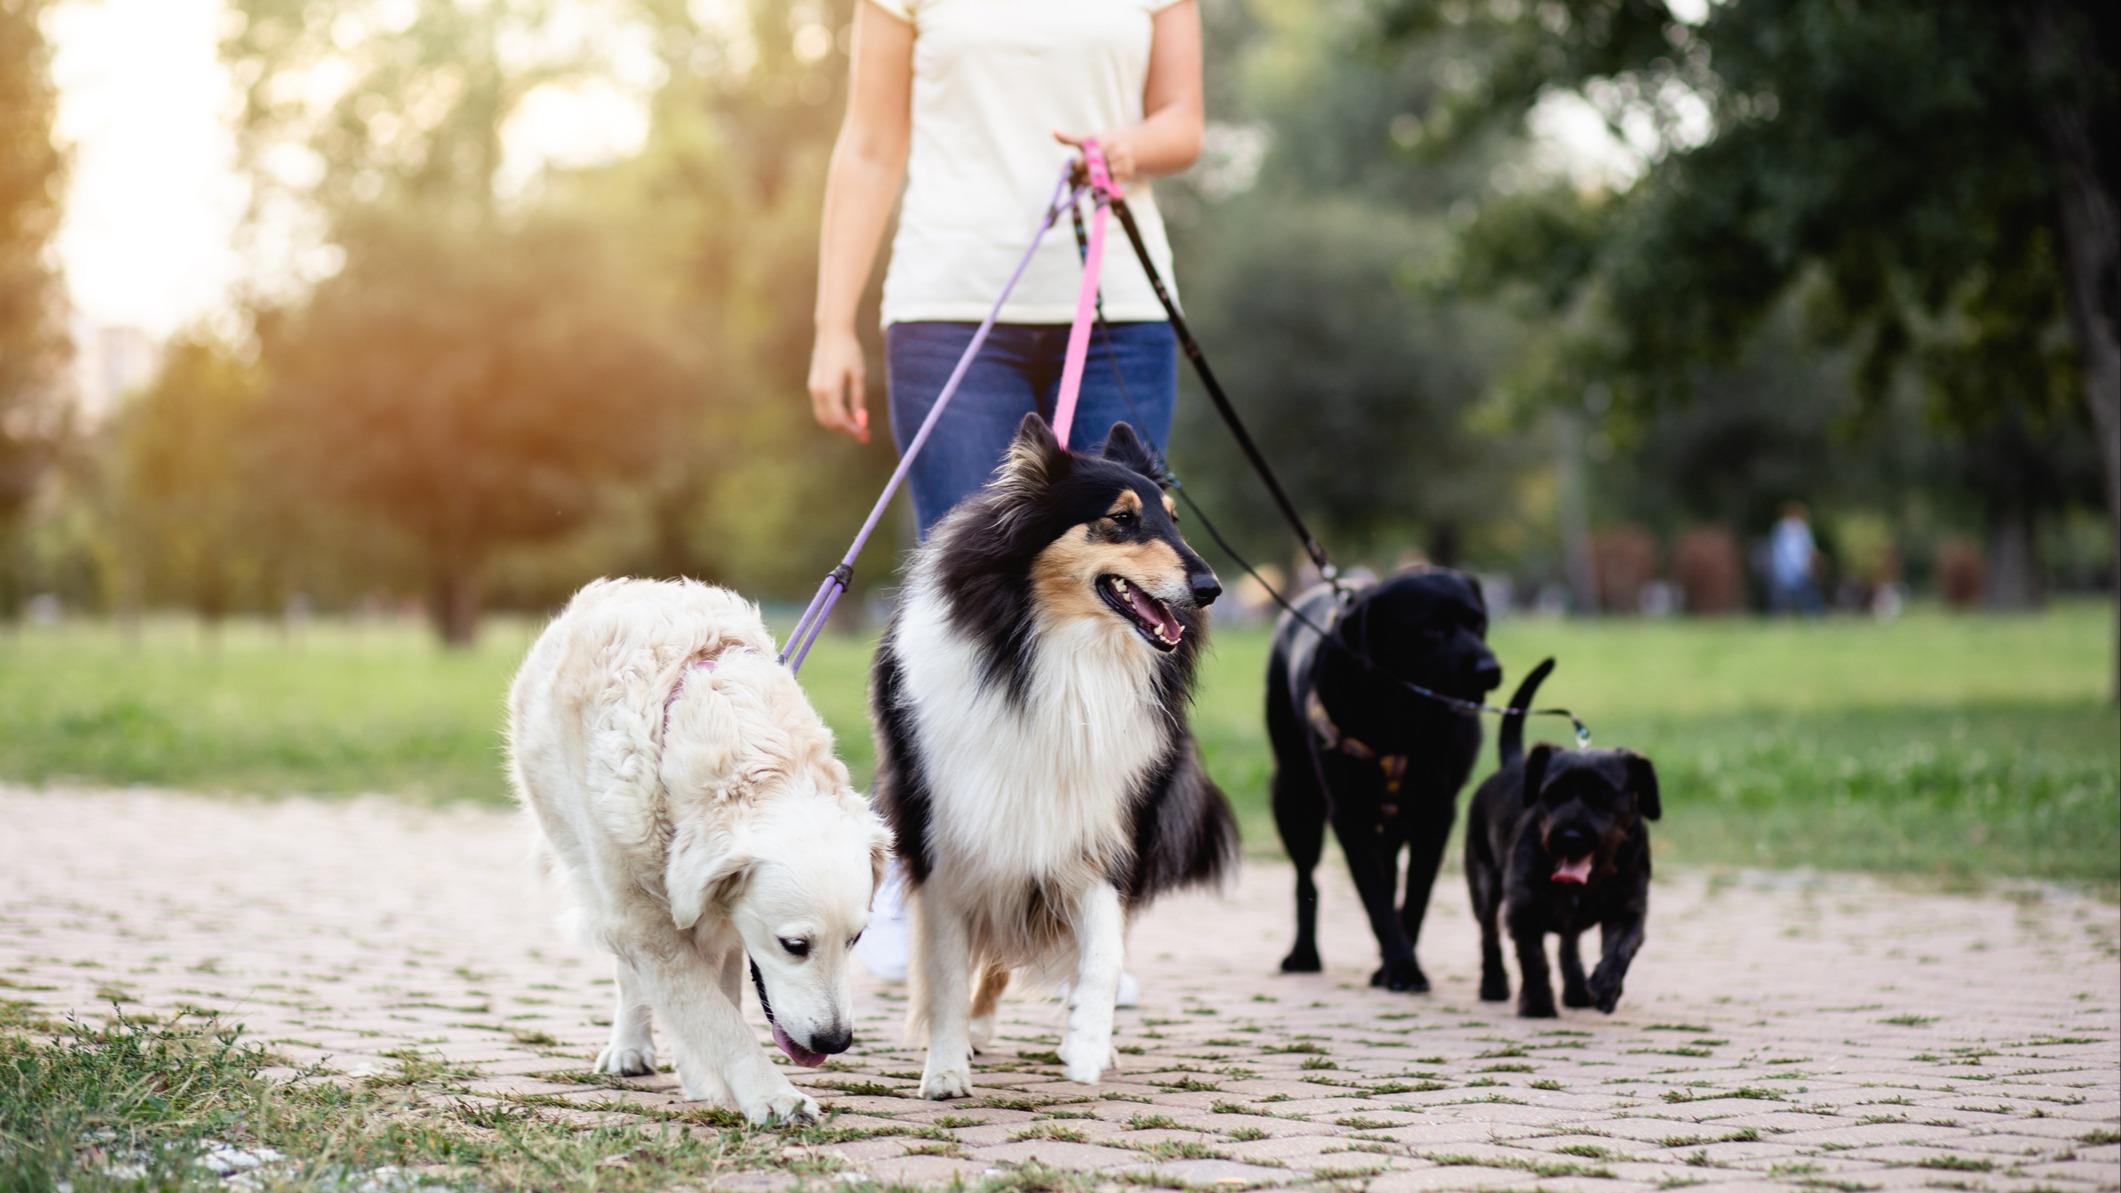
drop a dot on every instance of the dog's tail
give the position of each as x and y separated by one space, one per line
1509 742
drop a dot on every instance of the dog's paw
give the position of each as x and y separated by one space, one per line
1403 976
635 1060
981 1033
1575 995
941 1085
1537 1008
1604 992
1085 1062
1494 988
1301 959
788 1105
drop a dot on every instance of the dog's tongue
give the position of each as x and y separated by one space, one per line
1575 873
1154 610
796 1052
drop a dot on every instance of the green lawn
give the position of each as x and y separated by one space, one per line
1954 747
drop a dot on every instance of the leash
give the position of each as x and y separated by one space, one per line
1065 194
1089 245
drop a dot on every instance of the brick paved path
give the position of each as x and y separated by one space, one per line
1777 1032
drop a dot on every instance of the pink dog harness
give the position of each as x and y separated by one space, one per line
679 686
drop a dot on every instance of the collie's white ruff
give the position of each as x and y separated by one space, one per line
1029 798
696 830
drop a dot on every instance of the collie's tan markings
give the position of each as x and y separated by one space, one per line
1065 574
1171 507
1128 500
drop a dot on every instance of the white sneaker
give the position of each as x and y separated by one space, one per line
888 940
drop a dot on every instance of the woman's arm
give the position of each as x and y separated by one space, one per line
1168 138
867 162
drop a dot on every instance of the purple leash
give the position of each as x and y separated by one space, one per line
836 581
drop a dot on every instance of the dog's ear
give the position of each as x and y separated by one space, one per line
1535 771
706 868
1123 446
1036 459
1642 779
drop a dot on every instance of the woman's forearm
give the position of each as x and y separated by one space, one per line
859 189
1167 141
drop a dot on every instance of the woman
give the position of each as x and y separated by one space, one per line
976 104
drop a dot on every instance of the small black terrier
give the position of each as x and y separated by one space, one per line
1354 747
1555 842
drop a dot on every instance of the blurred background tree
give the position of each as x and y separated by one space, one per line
1935 181
1803 251
33 345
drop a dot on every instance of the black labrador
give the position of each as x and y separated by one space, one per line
1353 746
1556 843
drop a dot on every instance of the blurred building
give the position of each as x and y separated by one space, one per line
110 361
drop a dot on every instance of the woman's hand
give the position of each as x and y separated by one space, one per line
1119 149
1169 135
838 393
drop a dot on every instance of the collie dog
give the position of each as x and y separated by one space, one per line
1033 758
689 797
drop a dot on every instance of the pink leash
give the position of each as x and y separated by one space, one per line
1071 384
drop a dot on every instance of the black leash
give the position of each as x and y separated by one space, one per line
1238 431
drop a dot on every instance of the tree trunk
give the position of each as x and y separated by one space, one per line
1573 514
2012 562
453 601
2073 53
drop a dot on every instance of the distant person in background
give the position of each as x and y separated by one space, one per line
1791 556
976 105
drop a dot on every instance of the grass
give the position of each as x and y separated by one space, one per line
137 1103
1958 748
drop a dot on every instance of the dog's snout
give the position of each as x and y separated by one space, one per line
833 1042
1572 840
1205 587
1488 674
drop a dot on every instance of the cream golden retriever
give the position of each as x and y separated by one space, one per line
689 796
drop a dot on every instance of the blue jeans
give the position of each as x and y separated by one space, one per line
1017 371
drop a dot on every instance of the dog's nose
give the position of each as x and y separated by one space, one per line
833 1042
1205 588
1488 674
1573 841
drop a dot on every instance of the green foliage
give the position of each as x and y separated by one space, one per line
1959 749
32 347
1879 156
132 1094
191 500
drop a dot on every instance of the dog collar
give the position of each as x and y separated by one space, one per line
679 686
1330 736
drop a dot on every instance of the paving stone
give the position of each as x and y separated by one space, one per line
455 959
1057 1154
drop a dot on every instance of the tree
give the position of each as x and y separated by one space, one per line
189 478
472 386
33 348
477 372
1938 176
1311 289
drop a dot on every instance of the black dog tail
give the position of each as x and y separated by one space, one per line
1509 743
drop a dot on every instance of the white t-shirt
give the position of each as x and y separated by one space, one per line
992 81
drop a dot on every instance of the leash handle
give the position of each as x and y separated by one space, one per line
812 623
1099 184
1326 568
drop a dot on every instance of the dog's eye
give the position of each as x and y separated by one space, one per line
797 947
1123 517
855 939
